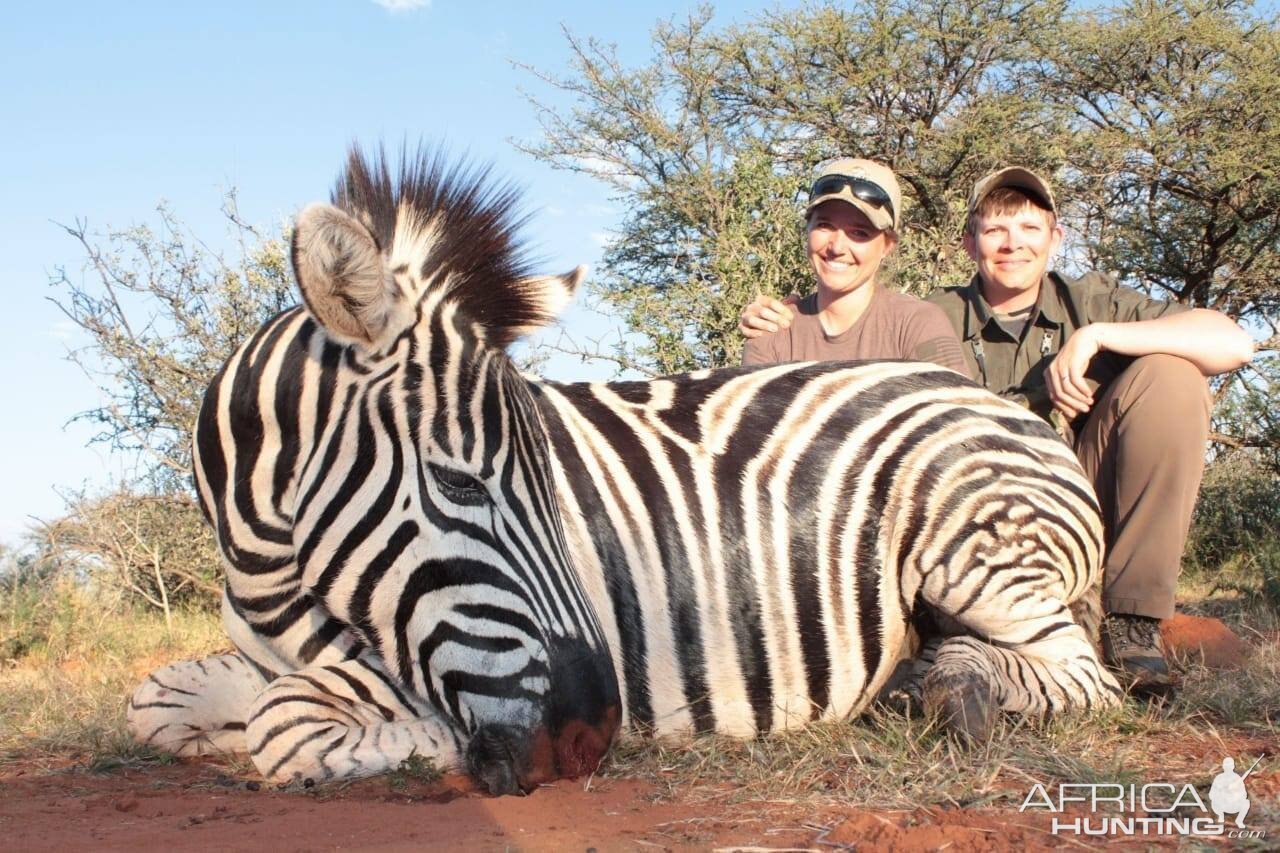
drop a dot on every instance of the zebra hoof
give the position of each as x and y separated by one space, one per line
900 702
901 693
965 704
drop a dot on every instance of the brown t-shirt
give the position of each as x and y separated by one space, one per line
893 326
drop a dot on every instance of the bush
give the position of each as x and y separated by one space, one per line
1235 534
71 651
155 549
161 313
26 583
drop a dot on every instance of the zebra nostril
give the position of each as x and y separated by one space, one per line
493 758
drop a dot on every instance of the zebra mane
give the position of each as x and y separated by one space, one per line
453 226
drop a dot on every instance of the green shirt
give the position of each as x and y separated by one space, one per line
1015 367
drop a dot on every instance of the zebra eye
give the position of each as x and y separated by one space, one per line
458 487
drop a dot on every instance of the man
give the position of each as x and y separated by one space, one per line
1125 375
851 221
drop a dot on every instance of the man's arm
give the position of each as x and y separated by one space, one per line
1207 339
765 315
761 350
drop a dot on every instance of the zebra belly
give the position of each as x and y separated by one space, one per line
851 690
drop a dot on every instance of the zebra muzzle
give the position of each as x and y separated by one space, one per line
499 759
508 760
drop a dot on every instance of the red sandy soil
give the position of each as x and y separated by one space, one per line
196 805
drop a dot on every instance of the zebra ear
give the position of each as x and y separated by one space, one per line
547 295
341 274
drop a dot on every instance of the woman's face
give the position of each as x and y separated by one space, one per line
844 249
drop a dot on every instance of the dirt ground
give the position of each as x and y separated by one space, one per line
196 806
207 805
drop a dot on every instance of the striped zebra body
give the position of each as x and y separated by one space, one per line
755 540
428 553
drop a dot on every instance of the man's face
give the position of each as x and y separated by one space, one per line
1013 250
844 248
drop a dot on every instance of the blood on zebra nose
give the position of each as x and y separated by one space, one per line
580 746
576 749
583 711
581 715
508 760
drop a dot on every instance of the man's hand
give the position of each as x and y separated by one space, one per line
1064 377
765 315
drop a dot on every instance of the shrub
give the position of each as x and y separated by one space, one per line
1235 534
156 549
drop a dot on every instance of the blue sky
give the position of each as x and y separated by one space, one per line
109 108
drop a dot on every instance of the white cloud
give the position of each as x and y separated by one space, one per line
397 6
600 238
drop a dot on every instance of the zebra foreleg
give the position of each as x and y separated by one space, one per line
284 632
342 721
195 707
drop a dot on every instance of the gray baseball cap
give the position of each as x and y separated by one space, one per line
1016 177
869 186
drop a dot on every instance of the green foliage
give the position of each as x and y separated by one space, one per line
1159 121
1247 416
1235 536
1174 178
162 313
710 147
733 235
414 769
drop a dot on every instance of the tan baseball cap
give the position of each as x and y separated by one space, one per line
869 186
1016 177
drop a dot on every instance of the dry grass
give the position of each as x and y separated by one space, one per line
71 660
892 762
888 761
74 660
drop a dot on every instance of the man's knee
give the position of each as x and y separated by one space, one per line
1169 392
1172 373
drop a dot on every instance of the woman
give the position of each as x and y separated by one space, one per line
851 222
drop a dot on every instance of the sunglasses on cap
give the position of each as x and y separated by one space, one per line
862 189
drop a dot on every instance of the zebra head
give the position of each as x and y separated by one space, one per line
462 580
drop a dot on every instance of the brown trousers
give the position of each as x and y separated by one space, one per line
1143 447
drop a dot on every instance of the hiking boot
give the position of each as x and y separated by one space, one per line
1135 651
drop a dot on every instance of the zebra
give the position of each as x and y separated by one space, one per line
429 553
